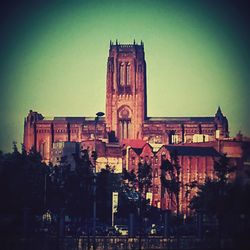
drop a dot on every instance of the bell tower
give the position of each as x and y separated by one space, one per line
126 107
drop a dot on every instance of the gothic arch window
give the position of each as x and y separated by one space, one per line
155 173
128 74
42 149
133 161
122 71
124 117
156 160
172 137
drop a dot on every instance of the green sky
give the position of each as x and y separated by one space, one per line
54 55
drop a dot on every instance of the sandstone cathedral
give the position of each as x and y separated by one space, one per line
126 113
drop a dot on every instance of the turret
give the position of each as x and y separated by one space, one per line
30 129
221 124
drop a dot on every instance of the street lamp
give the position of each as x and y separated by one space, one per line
98 114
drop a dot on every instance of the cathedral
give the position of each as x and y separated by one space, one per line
126 113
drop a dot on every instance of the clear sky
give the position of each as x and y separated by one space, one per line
54 54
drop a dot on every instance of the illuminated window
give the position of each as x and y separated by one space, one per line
156 159
133 161
200 138
217 134
175 139
42 149
156 173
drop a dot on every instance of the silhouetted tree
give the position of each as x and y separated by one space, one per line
225 199
212 197
170 179
75 186
107 182
21 190
21 180
135 186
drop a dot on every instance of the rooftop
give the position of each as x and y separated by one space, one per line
72 119
134 143
193 151
181 119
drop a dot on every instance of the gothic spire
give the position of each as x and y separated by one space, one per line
219 113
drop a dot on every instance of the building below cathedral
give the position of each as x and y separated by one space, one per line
126 121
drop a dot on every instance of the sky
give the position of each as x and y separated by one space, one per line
53 58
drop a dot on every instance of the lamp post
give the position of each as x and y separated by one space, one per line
47 218
45 189
98 114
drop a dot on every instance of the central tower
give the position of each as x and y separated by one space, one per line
126 107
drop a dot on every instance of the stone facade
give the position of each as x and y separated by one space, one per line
127 136
41 132
126 90
196 164
126 113
108 154
65 153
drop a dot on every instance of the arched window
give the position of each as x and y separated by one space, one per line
133 161
128 74
42 149
156 173
122 74
124 123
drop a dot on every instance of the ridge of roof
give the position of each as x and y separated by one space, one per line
134 143
183 119
72 118
193 150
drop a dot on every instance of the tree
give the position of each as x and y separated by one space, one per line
107 182
225 199
170 179
128 201
21 180
77 186
212 197
135 186
21 190
144 178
